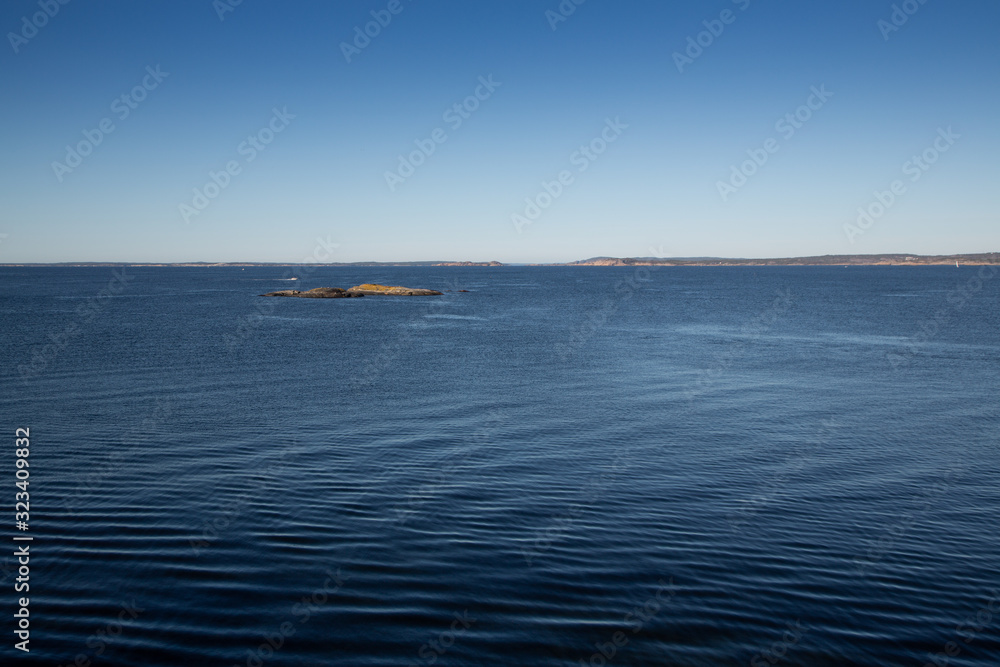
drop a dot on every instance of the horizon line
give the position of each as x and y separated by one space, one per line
603 260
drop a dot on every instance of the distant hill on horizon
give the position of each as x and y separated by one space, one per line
895 259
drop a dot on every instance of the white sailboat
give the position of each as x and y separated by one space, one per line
956 264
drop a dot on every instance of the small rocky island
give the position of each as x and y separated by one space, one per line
359 290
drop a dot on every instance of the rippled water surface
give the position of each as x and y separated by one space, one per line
562 466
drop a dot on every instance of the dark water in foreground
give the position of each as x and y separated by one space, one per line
509 476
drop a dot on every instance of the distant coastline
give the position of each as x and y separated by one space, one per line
899 259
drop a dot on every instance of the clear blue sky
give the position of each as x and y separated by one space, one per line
656 186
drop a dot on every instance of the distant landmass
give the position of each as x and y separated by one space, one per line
899 259
822 260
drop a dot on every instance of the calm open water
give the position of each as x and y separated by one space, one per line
563 466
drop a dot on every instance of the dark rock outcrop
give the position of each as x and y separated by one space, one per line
360 290
318 293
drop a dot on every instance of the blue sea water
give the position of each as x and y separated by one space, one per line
561 466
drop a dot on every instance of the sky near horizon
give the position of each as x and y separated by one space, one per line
513 130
